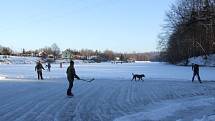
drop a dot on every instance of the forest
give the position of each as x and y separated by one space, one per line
188 30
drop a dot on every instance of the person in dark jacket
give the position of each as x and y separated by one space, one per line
49 66
39 68
195 68
70 77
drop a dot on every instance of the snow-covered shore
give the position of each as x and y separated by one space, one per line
201 60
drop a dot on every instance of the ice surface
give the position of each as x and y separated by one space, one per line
167 93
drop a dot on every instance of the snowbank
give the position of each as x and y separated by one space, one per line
210 61
31 60
2 77
17 60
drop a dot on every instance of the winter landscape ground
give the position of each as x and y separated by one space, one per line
167 93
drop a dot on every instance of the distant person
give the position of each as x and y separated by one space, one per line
61 64
49 66
70 77
195 68
39 68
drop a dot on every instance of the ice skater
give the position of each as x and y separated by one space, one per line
70 77
61 65
49 66
195 68
39 68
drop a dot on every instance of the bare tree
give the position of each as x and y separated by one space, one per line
6 51
109 54
55 50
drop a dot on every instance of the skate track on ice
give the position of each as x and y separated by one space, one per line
105 100
102 100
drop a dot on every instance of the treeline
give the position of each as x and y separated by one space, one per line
148 56
189 30
109 55
54 52
5 50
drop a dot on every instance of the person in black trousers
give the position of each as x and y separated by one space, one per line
49 66
39 68
70 77
195 68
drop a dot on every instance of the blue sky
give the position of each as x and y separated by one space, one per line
119 25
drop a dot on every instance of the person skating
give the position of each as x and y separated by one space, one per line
70 77
39 68
49 66
195 68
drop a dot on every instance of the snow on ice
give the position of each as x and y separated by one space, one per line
166 94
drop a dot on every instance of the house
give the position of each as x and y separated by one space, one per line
43 54
130 60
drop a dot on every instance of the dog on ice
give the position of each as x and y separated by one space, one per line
138 76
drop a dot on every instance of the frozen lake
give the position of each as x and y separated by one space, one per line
166 94
111 71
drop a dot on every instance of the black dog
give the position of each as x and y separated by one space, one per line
139 76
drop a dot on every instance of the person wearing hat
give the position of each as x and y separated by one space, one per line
195 68
70 77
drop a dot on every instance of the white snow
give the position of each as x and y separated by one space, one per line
17 60
167 93
206 118
210 61
164 109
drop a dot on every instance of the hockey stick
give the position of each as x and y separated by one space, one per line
86 80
